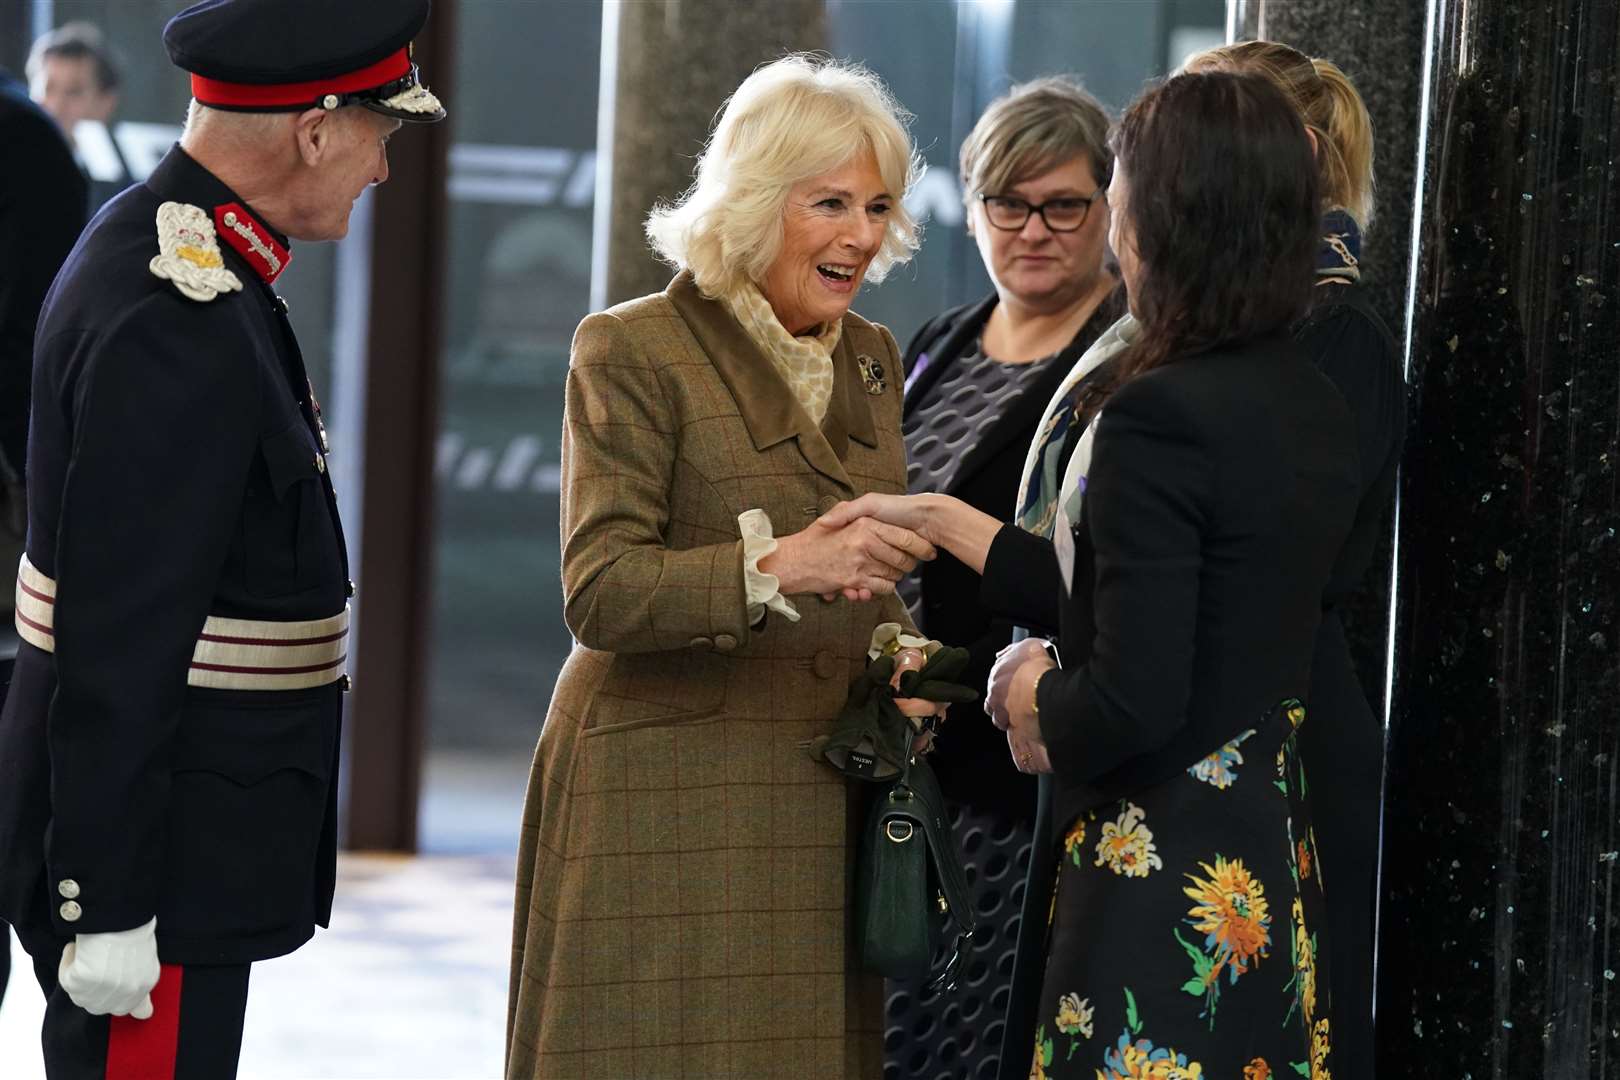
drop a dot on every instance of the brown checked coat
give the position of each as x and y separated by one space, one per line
683 875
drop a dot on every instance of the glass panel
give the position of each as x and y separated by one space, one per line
521 186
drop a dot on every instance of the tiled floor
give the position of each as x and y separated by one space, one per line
410 982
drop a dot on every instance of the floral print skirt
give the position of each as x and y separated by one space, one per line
1184 940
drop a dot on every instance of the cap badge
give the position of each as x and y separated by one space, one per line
872 374
189 255
417 99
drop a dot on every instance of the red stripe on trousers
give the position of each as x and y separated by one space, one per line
146 1049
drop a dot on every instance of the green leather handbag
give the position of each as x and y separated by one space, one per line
909 880
910 884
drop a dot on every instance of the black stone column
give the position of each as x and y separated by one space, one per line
1501 911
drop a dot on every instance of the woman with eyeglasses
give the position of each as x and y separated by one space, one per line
978 379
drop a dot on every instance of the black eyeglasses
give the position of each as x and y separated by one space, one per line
1060 215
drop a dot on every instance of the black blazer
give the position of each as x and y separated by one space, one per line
1220 493
971 757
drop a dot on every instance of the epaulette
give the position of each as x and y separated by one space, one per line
189 253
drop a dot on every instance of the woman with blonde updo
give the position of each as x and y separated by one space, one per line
1342 744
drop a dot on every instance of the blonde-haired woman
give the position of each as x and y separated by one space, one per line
1328 104
682 869
1342 742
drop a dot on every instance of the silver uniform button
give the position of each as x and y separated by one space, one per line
70 911
68 888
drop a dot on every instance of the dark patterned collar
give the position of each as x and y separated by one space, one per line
1340 253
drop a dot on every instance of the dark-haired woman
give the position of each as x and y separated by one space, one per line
1198 521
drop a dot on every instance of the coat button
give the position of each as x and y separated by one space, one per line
725 642
349 590
828 502
347 683
68 888
701 642
827 665
70 911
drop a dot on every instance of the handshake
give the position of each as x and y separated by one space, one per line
857 549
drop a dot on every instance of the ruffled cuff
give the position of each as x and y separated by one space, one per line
762 591
890 637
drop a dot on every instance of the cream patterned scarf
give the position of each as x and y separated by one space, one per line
805 363
1048 480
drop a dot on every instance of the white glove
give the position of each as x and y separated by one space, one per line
112 974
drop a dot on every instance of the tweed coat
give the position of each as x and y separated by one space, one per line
682 873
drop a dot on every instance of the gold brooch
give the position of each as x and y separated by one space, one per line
872 374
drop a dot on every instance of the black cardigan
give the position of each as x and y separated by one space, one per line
971 758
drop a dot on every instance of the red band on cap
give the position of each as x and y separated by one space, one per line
245 95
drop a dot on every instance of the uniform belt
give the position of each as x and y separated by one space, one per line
231 654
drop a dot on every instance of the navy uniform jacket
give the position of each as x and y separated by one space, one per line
174 473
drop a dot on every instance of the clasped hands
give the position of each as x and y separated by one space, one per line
1010 702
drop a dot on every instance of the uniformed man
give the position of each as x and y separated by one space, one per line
169 748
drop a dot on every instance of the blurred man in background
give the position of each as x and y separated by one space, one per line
74 76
